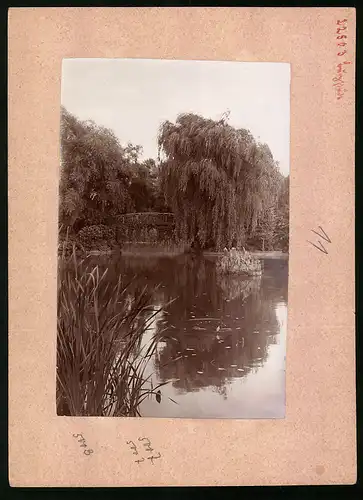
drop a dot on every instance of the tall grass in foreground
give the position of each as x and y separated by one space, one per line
100 358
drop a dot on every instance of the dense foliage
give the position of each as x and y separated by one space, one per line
239 262
223 187
217 179
97 237
100 178
272 231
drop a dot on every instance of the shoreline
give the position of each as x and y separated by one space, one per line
275 254
160 252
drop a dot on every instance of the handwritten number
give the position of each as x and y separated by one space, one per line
321 248
147 448
153 458
82 443
342 21
322 234
325 237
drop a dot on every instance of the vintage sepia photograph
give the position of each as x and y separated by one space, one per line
173 239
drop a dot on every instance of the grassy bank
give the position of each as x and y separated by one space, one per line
98 241
257 253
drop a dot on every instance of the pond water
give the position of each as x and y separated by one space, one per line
224 339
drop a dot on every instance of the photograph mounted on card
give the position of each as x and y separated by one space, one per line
181 298
173 238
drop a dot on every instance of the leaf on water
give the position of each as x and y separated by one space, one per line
158 396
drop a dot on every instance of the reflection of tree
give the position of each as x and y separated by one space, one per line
217 329
238 287
276 284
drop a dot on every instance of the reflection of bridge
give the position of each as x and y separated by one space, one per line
135 225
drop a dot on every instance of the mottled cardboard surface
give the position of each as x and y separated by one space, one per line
316 442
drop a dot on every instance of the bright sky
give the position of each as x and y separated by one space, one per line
134 96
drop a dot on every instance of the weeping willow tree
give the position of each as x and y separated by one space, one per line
217 179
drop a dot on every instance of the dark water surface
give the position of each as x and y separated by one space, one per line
224 338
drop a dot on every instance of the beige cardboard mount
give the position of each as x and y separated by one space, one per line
316 442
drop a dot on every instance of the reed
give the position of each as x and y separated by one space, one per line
101 361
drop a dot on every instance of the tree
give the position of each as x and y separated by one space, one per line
217 179
96 172
282 222
264 234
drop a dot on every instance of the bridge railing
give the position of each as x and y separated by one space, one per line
145 226
146 218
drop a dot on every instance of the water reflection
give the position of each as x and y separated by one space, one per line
223 339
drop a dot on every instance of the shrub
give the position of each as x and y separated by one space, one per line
99 237
236 261
153 234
